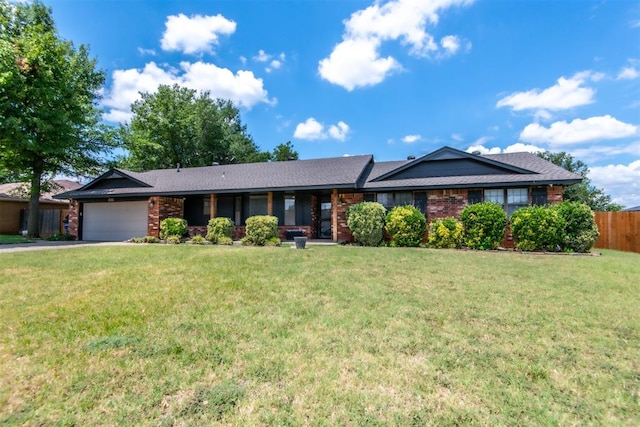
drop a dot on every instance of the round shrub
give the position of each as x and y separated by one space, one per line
173 227
224 240
447 233
366 222
261 229
580 230
484 225
406 226
219 227
537 228
172 240
197 240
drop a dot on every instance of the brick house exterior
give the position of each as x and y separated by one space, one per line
310 196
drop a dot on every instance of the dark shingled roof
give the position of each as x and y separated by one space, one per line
356 172
337 172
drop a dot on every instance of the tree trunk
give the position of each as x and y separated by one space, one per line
33 229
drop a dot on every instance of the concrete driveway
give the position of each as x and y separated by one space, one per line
46 245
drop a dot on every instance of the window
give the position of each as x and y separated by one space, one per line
495 196
516 199
475 196
206 206
399 198
539 196
258 205
237 212
289 210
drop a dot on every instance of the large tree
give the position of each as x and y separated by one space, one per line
583 192
284 152
179 125
49 120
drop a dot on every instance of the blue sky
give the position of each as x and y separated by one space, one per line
390 78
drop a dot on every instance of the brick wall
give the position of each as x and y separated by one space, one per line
344 201
444 203
554 194
160 208
74 208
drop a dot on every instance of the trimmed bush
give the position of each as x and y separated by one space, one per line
219 227
224 240
260 229
172 240
406 226
447 233
484 225
197 240
366 221
274 241
581 230
173 227
537 228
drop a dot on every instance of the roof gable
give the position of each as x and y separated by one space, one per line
447 162
115 178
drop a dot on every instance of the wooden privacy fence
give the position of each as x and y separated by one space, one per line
619 231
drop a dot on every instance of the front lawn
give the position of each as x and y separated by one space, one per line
13 238
199 335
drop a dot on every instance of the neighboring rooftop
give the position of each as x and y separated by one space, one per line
20 190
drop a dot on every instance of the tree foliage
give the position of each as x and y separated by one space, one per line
179 125
583 192
284 152
49 120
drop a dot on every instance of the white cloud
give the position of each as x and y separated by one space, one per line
313 130
275 61
410 139
339 131
310 129
195 34
356 61
514 148
457 137
243 88
578 131
565 94
143 51
628 73
620 181
519 147
451 45
483 150
483 140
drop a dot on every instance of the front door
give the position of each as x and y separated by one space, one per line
324 225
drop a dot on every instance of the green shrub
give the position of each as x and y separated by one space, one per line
260 229
146 239
197 240
172 240
274 241
406 226
537 228
366 222
581 230
447 233
57 237
484 225
219 227
224 240
173 227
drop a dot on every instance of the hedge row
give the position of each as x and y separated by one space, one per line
567 226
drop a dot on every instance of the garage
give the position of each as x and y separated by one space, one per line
114 221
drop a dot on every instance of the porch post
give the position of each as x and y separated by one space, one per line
270 203
212 205
334 215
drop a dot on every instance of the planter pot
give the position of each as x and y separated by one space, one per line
301 242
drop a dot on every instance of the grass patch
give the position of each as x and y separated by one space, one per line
7 239
195 335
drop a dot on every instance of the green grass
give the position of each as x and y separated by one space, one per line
201 335
13 238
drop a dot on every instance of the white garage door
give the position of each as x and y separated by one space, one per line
114 221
